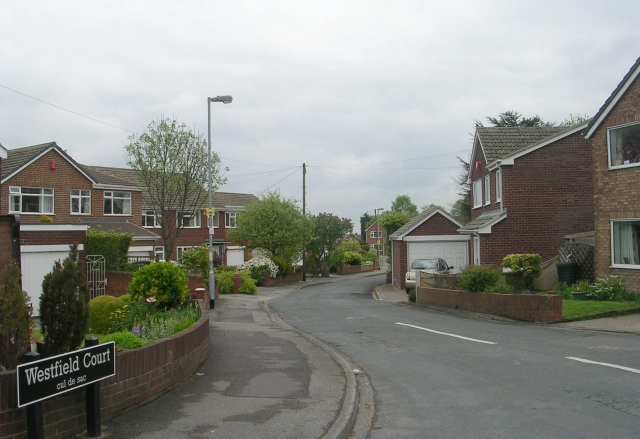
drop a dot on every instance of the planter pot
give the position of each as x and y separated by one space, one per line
579 295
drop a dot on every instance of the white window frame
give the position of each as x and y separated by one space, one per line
112 196
159 253
498 185
79 195
477 193
180 250
218 249
214 221
610 131
45 193
150 220
194 221
375 234
228 216
615 259
487 190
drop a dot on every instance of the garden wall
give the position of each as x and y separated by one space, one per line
525 307
118 282
142 375
353 269
290 278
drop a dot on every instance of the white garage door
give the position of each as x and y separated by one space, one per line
35 265
235 256
454 252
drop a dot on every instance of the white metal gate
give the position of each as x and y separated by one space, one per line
96 280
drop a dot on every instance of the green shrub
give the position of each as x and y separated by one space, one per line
607 288
351 258
284 267
524 268
260 262
64 306
500 287
256 274
412 295
248 286
15 318
479 278
370 256
112 245
126 299
225 282
123 340
196 260
135 313
101 313
164 281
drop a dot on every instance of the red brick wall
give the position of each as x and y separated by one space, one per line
374 228
118 282
616 192
548 194
399 263
62 179
438 224
142 375
525 307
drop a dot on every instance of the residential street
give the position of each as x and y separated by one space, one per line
438 375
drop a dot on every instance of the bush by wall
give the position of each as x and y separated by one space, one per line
15 318
113 246
64 305
524 268
479 278
101 312
164 281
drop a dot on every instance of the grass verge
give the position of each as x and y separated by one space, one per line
585 308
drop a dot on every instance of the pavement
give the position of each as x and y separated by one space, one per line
266 379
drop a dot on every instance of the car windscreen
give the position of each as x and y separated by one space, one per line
424 264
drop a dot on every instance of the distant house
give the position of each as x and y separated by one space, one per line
614 133
531 187
375 236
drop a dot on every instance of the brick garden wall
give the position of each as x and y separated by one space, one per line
525 307
399 263
354 269
118 282
142 375
616 191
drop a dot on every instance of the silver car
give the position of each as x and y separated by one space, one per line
429 265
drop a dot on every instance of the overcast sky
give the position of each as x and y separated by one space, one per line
376 97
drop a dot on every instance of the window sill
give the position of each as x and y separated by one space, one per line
31 213
79 214
616 167
625 267
117 214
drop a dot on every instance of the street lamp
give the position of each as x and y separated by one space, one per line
378 231
212 280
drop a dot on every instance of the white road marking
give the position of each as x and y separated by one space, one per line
445 333
615 366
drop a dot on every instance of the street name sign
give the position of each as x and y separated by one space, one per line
42 379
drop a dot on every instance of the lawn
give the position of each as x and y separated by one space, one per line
584 308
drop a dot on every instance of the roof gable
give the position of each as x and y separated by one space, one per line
3 152
419 219
19 158
500 142
613 99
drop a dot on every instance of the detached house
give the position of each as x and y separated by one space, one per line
531 186
375 236
615 139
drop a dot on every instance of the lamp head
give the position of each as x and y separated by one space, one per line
226 99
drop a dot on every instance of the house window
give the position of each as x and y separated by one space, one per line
213 221
117 203
477 193
376 234
180 251
217 249
624 145
625 242
80 202
30 200
487 189
498 185
149 219
189 219
159 254
230 219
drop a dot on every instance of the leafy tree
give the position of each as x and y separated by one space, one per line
432 206
15 318
461 209
345 246
64 305
172 162
112 245
403 204
392 221
514 119
365 221
574 120
274 224
327 230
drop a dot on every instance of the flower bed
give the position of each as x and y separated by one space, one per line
142 375
525 307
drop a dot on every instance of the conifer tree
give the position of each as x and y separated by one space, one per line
15 318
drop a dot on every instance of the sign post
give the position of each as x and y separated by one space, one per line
38 380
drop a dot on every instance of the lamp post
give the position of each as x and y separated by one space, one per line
212 280
380 209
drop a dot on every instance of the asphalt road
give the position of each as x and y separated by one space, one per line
437 375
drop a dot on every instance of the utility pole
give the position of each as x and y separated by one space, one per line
304 211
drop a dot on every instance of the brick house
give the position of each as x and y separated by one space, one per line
375 236
531 186
614 133
432 233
